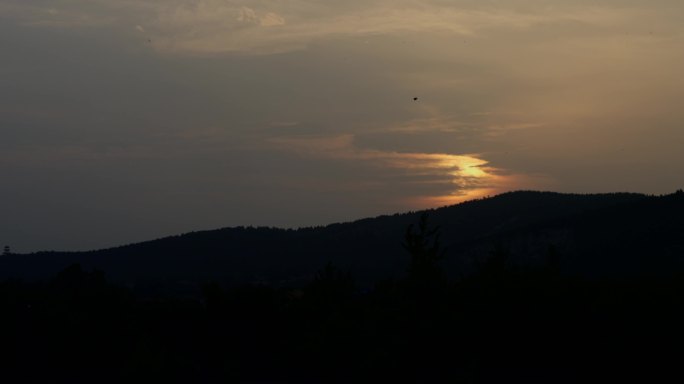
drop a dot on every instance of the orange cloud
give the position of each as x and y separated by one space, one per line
464 176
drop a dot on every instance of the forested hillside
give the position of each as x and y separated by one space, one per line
604 234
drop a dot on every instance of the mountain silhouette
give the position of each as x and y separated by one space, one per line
617 234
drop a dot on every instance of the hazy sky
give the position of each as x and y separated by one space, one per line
123 121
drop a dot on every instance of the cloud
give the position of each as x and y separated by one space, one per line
249 15
271 20
207 26
453 177
219 26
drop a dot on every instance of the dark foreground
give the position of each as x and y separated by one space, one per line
502 324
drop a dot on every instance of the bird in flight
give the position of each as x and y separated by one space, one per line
415 99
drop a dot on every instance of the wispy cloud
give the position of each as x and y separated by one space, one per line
214 28
459 176
269 26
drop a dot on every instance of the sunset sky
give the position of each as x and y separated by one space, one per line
123 121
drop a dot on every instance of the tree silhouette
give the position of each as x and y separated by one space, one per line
424 247
6 251
426 279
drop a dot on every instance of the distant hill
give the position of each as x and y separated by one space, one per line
617 234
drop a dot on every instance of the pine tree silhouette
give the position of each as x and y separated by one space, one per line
424 247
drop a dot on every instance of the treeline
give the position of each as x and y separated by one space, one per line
504 323
587 228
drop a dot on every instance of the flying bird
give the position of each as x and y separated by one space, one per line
415 99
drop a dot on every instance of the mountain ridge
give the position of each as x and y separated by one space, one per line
526 222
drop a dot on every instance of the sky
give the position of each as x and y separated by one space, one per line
123 121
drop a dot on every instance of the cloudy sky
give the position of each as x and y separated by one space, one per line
124 120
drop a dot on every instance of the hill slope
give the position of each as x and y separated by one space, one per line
593 234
